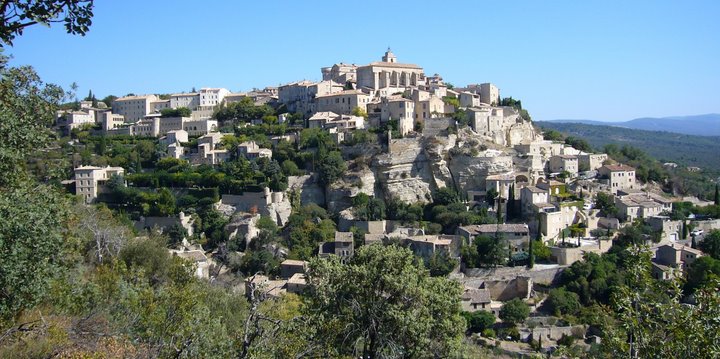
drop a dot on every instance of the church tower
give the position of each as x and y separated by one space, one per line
389 56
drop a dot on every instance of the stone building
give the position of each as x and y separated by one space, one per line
564 163
134 108
516 234
591 161
618 177
389 76
188 100
342 102
251 150
88 180
340 73
489 93
343 246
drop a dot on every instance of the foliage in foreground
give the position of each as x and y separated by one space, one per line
383 304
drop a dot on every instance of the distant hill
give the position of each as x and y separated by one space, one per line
700 151
700 125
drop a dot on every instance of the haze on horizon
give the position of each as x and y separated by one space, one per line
609 61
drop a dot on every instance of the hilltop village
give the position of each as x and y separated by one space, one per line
260 182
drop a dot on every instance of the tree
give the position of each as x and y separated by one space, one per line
108 100
511 203
358 111
176 233
17 15
531 254
606 203
485 251
514 311
107 237
701 273
445 196
34 216
479 320
654 323
490 196
717 195
552 135
331 167
561 302
176 112
441 264
382 303
31 244
711 244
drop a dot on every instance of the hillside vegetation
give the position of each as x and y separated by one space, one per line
699 151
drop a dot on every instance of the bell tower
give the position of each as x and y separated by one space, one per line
389 56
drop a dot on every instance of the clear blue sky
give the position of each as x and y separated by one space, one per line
604 60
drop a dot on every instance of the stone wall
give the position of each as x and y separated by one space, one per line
309 188
503 290
474 276
553 333
437 126
708 225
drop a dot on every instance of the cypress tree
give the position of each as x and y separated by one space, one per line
511 203
684 230
531 255
717 195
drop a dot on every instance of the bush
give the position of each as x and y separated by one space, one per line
509 333
488 333
566 340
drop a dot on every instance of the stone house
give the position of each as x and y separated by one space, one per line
618 177
564 163
290 267
343 246
197 257
671 230
89 179
516 234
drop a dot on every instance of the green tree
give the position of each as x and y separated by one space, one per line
445 196
331 167
514 311
552 135
561 302
176 112
31 244
606 203
108 100
717 195
382 303
711 244
441 264
652 321
176 233
357 111
701 273
34 216
18 15
479 320
485 251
